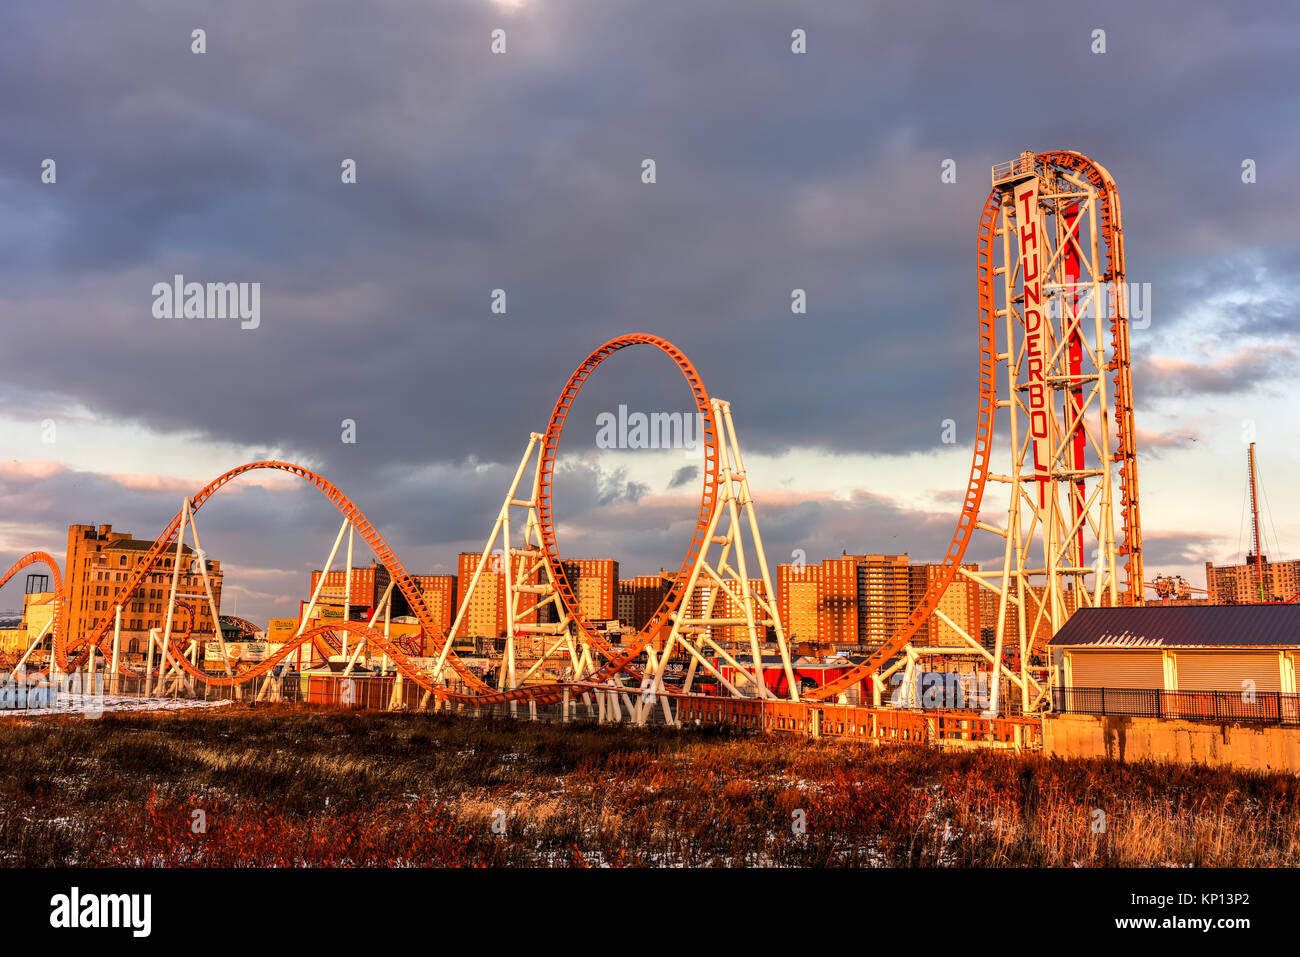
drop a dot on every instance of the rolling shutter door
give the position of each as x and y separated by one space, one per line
1117 669
1226 670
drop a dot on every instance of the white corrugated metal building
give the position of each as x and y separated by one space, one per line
1180 648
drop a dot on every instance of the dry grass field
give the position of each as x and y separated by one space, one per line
292 786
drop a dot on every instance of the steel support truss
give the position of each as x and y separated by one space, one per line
543 642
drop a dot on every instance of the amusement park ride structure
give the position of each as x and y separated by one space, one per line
1054 379
1053 329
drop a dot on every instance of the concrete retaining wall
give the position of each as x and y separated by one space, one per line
1260 747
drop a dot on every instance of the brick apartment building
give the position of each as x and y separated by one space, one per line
865 599
1238 584
639 598
99 560
1033 605
837 599
368 586
885 597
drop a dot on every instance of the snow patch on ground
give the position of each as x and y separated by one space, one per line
92 707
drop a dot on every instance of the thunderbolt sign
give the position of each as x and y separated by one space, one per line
1035 327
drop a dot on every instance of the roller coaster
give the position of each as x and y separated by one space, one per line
1055 410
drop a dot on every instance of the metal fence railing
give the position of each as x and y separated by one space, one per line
1265 707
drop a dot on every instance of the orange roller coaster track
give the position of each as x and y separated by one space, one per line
317 637
616 661
619 661
482 693
43 558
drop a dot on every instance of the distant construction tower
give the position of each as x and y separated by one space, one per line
1260 591
1257 579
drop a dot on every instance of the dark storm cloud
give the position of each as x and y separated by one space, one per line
521 172
1247 369
615 488
1181 548
1251 294
683 476
1277 316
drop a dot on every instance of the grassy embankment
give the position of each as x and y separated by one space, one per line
289 786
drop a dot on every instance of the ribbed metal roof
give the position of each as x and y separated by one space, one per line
1183 626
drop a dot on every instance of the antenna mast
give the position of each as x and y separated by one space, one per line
1254 526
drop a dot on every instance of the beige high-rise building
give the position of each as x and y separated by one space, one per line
486 615
38 609
886 596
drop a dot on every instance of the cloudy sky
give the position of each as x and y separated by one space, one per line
522 171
